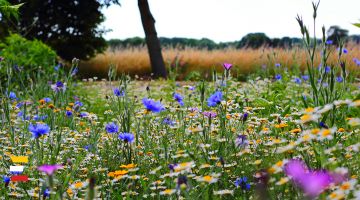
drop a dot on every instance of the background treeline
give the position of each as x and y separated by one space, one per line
251 40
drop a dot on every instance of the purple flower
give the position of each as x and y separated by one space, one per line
215 99
277 65
83 114
241 141
312 182
296 169
209 114
59 86
126 137
244 117
153 106
49 169
178 98
111 128
39 129
227 66
278 77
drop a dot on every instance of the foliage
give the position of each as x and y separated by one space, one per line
69 27
337 34
25 57
26 53
7 10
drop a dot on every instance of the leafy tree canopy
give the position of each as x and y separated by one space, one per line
70 27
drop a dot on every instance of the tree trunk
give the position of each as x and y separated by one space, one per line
152 41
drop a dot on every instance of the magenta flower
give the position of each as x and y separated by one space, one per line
312 182
49 169
227 66
296 169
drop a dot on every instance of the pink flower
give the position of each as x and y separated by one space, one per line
312 182
49 169
296 169
227 66
209 114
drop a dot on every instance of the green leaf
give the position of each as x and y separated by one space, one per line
356 24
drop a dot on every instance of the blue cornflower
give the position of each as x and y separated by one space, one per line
88 147
329 42
297 80
40 117
12 95
46 193
19 105
242 182
168 121
6 180
83 114
39 129
215 99
244 117
111 128
178 98
47 99
277 65
339 79
304 97
151 105
344 50
323 125
172 166
78 103
21 116
278 77
69 113
74 71
118 92
241 141
58 86
327 69
127 137
305 77
57 67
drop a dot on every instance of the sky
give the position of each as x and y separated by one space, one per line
229 20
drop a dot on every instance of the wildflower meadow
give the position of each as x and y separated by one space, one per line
285 133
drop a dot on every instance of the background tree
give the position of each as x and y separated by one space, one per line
254 40
152 40
336 34
69 27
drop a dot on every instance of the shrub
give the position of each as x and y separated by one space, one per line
29 55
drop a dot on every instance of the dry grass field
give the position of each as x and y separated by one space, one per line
135 61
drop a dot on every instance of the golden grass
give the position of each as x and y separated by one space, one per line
135 61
